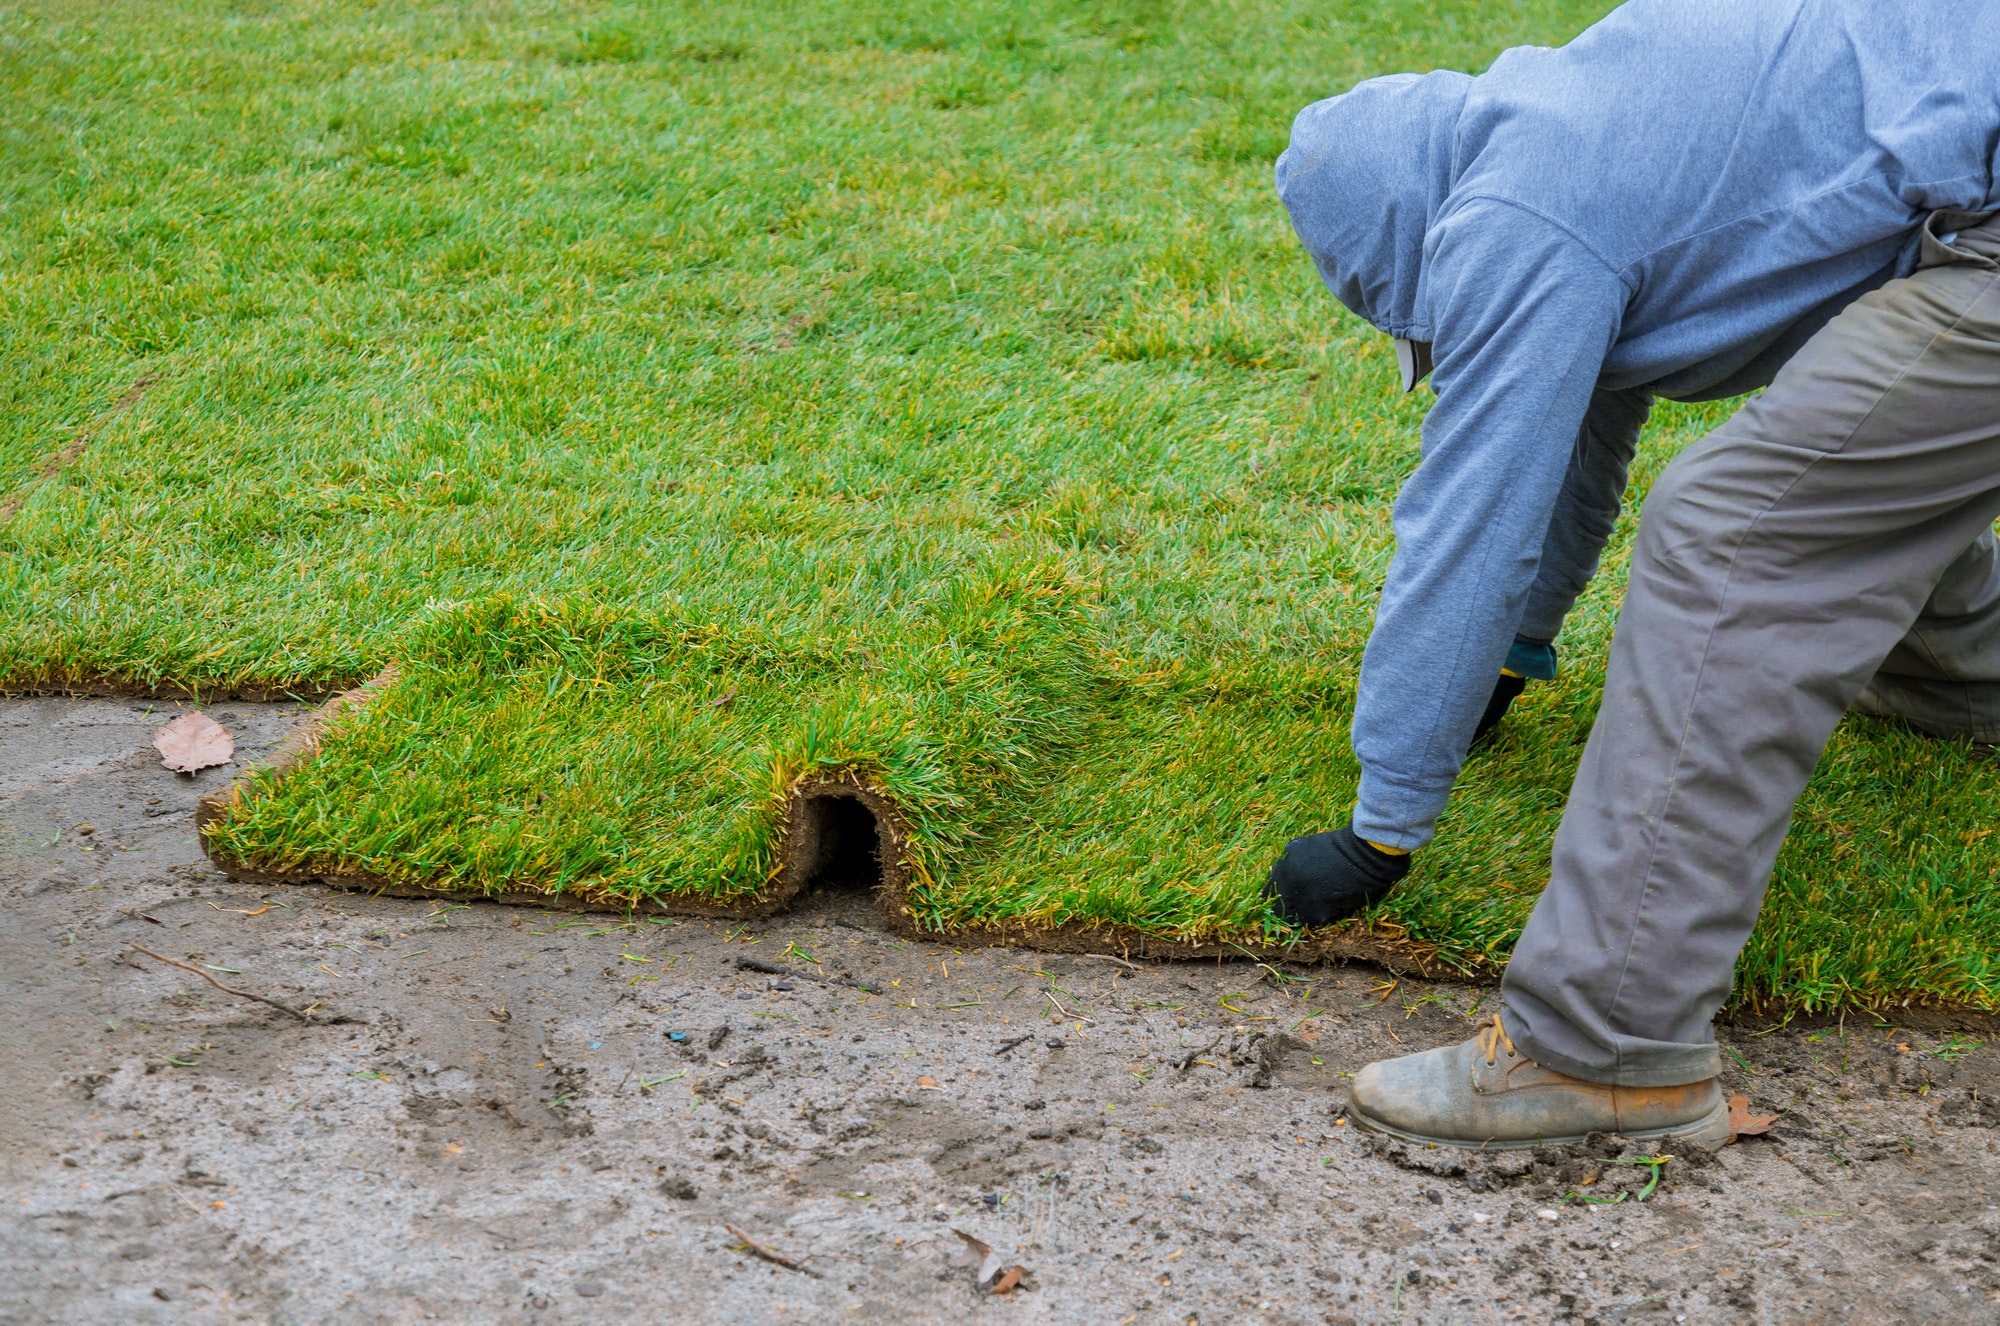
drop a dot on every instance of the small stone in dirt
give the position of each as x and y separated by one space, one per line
589 1288
1055 1042
1036 1105
678 1188
746 994
990 1198
716 1037
1547 1213
1434 1197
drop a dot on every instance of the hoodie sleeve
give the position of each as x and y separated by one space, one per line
1524 315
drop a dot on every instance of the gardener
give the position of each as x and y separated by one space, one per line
1693 199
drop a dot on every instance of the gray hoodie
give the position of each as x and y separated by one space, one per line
1669 205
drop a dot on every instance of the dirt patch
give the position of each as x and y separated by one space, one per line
543 1115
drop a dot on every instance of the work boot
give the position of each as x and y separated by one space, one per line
1486 1094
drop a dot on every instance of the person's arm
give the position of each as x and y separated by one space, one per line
1586 510
1524 315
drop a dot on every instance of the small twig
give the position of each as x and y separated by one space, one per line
184 1199
1049 994
769 1255
779 969
1193 1057
240 994
1106 957
1018 1040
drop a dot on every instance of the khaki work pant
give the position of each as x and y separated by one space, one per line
1830 546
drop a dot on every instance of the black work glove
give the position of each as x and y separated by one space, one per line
1505 691
1323 877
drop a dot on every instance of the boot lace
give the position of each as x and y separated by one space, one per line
1492 1037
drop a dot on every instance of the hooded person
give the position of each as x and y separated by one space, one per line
1692 199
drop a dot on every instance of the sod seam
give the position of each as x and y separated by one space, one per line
76 445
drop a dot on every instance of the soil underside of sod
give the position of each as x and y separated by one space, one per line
748 431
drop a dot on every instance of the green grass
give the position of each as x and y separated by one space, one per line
694 397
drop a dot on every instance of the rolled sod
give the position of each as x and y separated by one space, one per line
760 434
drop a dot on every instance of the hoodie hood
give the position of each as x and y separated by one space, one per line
1363 178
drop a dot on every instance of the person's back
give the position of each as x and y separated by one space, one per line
1669 205
1740 163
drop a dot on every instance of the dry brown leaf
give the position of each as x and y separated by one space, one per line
977 1253
1008 1281
1742 1123
927 1081
194 741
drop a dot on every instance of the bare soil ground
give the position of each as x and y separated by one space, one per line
510 1114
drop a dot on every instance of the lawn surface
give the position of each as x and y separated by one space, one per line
694 398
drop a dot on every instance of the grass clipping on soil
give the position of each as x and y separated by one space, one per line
703 406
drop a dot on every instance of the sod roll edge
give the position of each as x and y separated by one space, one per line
814 842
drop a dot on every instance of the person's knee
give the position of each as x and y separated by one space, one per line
1695 518
1672 514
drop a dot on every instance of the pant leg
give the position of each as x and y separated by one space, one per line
1587 508
1944 676
1779 562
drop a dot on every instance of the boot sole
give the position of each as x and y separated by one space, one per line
1710 1132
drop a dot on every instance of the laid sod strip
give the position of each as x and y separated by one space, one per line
709 409
815 805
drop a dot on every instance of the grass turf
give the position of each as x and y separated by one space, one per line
692 398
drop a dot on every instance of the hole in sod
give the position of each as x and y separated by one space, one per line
846 844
